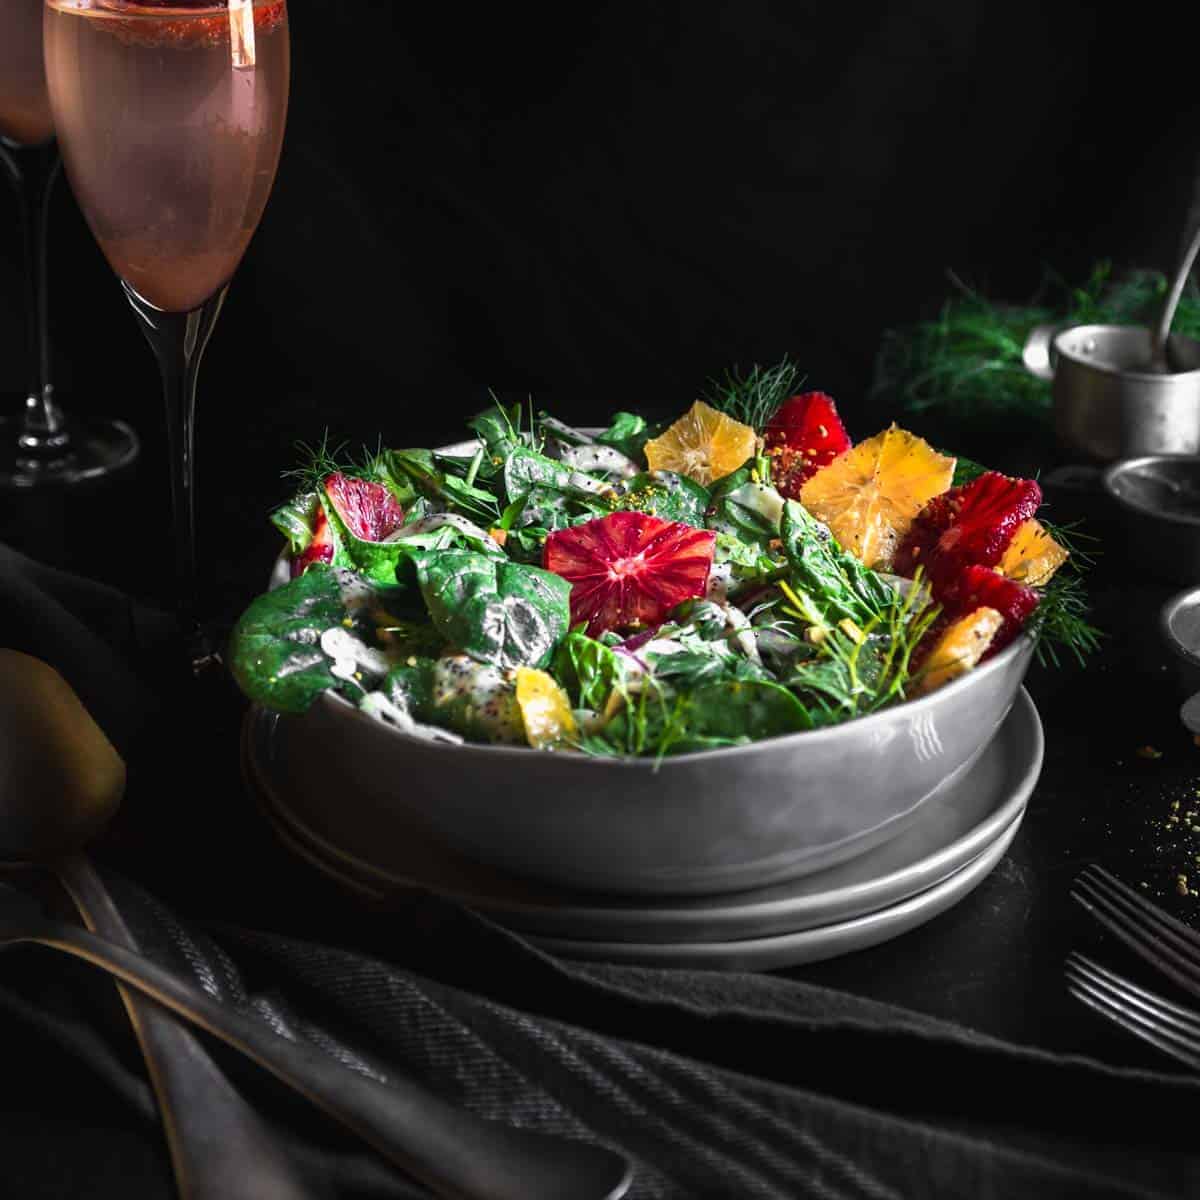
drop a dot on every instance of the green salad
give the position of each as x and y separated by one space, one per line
742 573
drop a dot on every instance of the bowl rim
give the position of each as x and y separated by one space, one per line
1127 466
1188 597
1148 377
1024 644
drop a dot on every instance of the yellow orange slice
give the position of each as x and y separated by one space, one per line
963 644
1033 555
704 444
870 495
545 709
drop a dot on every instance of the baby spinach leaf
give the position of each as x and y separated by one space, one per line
832 583
410 687
498 428
545 508
275 651
495 610
588 669
629 433
551 494
526 469
297 520
667 495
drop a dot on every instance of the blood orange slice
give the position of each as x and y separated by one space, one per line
319 550
545 709
968 525
629 568
869 496
704 444
1033 555
980 587
368 510
804 435
959 645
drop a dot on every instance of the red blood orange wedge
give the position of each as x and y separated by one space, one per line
804 435
368 510
968 525
320 549
980 587
629 568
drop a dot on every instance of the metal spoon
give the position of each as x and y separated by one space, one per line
56 791
61 780
1159 362
457 1155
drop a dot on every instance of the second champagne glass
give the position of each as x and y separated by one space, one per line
170 118
43 445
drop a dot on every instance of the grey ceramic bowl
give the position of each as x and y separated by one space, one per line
1157 498
719 820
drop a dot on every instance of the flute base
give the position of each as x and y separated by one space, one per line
97 448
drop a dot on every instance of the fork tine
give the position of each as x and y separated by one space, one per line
1152 948
1154 931
1179 1048
1081 968
1185 938
1139 1031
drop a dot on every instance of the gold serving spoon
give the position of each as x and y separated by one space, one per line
60 781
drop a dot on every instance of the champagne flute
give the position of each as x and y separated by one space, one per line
42 445
170 116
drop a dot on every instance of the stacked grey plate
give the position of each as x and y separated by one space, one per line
956 838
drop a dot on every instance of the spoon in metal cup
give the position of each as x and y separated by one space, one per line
1159 360
60 781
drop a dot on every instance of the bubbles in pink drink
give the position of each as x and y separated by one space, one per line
171 120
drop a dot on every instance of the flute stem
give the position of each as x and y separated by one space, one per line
43 438
179 341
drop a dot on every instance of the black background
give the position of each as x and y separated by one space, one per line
605 207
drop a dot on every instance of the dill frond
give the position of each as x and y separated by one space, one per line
316 462
967 361
1060 621
754 397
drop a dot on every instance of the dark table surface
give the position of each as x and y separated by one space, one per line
993 962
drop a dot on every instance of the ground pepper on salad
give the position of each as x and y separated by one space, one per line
744 572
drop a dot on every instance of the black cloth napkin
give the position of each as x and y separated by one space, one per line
714 1084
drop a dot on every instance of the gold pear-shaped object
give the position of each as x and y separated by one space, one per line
61 779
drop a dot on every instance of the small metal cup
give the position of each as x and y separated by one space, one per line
1179 624
1107 403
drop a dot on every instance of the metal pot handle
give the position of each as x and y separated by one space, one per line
1036 354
